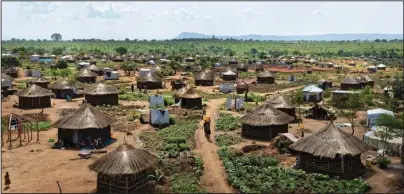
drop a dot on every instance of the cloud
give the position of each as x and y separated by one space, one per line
74 17
181 14
108 10
320 13
42 8
248 12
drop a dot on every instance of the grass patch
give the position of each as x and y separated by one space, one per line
253 174
133 97
185 183
42 125
227 122
227 140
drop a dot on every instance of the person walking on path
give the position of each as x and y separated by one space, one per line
145 90
7 180
132 87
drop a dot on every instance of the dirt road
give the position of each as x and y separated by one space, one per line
214 177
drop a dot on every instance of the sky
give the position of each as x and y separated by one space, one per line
166 20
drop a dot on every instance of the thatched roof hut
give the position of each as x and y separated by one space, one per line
229 75
177 84
86 76
64 86
242 67
12 72
241 87
204 79
124 170
350 83
100 94
265 77
321 111
191 100
265 122
284 104
41 81
6 81
324 84
259 68
365 80
34 96
352 63
96 70
233 61
330 151
86 121
178 93
150 81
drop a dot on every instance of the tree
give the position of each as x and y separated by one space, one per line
54 73
121 50
174 65
56 37
297 99
10 61
61 64
352 104
58 51
65 73
254 51
394 127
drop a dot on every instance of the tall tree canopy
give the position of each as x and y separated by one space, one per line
56 37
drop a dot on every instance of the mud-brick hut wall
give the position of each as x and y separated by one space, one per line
87 79
107 99
263 132
204 78
67 134
265 79
34 102
229 77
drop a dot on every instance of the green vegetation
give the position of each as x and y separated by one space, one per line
134 97
227 140
42 125
227 122
10 61
253 174
185 183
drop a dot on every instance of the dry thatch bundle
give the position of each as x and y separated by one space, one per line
329 142
124 160
280 101
6 77
190 93
149 77
66 84
349 80
85 117
266 115
100 89
265 74
86 73
204 76
34 91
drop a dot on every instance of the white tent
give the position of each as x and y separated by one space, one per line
156 100
226 88
230 103
374 114
394 145
67 57
310 90
83 64
381 66
111 75
151 62
34 58
159 117
143 72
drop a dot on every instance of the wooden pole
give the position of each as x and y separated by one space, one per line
37 131
60 188
31 133
19 127
9 136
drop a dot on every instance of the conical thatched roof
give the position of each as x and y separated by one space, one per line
204 76
366 78
241 84
266 115
330 141
40 80
66 84
6 77
100 89
259 66
86 73
280 101
85 117
149 77
349 80
124 160
190 93
34 91
265 74
93 68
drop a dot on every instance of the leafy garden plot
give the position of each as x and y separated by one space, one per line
253 174
227 122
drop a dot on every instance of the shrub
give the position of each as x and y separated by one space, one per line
10 61
227 140
61 64
168 100
383 162
185 183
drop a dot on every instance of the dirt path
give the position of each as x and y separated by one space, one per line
281 91
214 177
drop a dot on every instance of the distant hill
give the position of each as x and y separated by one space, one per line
320 37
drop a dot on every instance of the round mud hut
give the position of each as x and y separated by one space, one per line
204 79
241 87
177 84
264 123
33 97
86 76
324 84
125 170
350 83
352 63
96 70
42 81
365 80
12 72
330 151
178 93
64 86
82 126
233 62
229 75
150 80
283 104
191 100
100 94
242 68
6 82
265 77
259 68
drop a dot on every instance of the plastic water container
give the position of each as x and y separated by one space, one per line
369 161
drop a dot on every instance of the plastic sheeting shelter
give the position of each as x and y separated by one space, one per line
143 72
312 90
83 64
226 88
230 103
111 75
374 114
292 78
156 100
159 117
32 73
34 58
392 145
